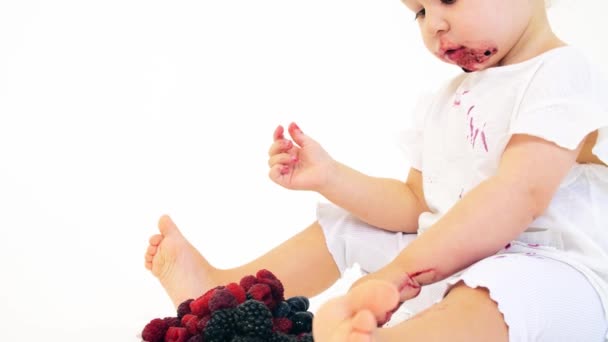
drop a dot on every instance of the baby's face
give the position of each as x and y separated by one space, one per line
473 34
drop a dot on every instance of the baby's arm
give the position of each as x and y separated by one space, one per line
303 164
489 216
382 202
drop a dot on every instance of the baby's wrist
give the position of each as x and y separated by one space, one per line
329 183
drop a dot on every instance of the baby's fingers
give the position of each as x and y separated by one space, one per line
278 173
282 158
280 146
278 133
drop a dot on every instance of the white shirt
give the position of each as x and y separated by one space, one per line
462 131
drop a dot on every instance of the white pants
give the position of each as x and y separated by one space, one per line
541 299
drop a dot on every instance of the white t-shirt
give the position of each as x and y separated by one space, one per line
461 132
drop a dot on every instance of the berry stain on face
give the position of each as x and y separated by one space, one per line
469 58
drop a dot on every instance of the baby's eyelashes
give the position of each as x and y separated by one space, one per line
420 14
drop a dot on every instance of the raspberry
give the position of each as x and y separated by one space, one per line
282 324
298 303
268 278
154 331
172 321
200 306
222 299
262 293
221 326
202 323
196 338
237 291
176 334
254 319
189 321
302 322
184 308
276 287
265 274
247 282
282 310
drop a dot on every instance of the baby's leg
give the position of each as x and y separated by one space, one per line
303 263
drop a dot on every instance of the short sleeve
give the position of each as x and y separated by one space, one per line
411 138
567 99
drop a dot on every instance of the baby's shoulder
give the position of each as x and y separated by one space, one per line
569 64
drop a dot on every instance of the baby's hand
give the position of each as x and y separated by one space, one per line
300 163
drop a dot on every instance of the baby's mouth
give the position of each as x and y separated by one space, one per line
469 58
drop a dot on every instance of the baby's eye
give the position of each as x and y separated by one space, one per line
420 14
448 2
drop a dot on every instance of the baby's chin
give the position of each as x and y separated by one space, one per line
471 59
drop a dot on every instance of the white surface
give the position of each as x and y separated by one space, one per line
113 113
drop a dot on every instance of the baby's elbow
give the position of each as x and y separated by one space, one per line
531 199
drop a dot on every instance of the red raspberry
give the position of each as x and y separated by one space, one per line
176 334
282 324
265 274
262 293
248 281
237 291
222 299
278 292
189 322
154 331
202 323
172 321
184 308
200 306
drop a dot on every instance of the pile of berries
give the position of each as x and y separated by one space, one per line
254 310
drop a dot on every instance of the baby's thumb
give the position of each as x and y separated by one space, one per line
297 135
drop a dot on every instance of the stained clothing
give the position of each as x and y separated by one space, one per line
457 141
462 131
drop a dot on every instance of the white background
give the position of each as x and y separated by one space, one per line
115 112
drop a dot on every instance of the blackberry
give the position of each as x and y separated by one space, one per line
247 339
305 338
184 308
254 319
220 327
298 303
302 322
275 337
282 310
280 337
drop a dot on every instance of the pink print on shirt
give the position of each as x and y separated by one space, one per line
458 98
476 131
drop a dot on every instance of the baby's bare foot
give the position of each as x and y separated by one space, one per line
355 316
180 268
